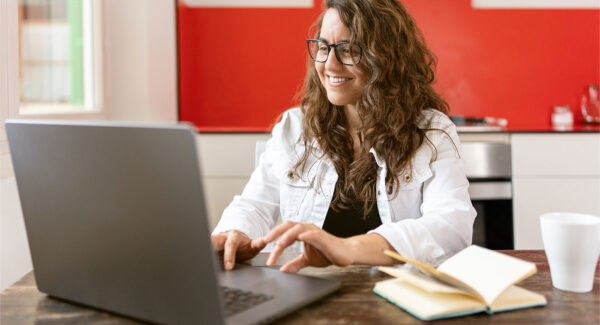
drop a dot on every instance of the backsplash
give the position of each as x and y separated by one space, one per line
240 67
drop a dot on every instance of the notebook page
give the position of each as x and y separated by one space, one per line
516 297
425 305
420 281
435 273
487 271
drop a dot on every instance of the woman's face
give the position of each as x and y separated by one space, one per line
343 83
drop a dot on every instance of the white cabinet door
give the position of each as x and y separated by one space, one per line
548 154
226 162
552 172
535 196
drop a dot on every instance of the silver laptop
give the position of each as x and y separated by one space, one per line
116 219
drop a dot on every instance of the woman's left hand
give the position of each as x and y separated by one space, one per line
320 248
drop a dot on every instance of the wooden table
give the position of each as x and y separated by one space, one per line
354 303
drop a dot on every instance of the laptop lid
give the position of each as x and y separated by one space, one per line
96 197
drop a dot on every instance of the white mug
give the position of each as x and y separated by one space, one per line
572 245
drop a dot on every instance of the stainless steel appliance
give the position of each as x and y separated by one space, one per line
487 166
479 124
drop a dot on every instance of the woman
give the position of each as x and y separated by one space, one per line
368 162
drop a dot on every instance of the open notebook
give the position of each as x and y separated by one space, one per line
474 280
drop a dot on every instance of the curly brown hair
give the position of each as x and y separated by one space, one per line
400 70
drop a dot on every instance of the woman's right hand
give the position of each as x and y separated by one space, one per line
231 245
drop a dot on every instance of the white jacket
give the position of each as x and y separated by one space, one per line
430 219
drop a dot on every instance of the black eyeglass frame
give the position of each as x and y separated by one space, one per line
329 46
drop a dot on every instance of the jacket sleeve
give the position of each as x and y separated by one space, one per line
256 210
447 215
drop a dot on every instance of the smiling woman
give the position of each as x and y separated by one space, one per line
369 161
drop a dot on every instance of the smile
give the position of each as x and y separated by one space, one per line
337 80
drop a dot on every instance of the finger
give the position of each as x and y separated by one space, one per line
231 246
218 241
315 238
258 244
318 240
288 238
248 250
278 230
328 247
295 265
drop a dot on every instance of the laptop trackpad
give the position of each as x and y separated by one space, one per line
269 281
245 277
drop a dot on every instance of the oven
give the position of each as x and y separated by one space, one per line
488 169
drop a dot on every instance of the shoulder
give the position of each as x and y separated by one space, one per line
441 137
438 126
291 120
288 130
434 119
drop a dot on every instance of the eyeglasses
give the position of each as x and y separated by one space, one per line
345 52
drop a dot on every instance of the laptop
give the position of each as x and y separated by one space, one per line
116 219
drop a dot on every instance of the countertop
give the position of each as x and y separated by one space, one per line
577 128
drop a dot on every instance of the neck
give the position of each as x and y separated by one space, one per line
354 123
352 118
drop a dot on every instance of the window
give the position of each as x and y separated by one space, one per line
60 56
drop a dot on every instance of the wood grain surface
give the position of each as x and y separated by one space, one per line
354 303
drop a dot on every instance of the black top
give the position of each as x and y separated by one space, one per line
351 222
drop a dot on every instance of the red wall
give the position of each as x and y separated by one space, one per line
239 68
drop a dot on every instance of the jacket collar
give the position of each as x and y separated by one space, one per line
380 162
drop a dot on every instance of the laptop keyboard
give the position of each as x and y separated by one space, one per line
237 300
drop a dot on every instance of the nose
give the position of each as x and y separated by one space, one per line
332 61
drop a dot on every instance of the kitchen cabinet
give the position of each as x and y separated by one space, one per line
226 161
552 172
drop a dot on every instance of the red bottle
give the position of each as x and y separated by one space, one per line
590 106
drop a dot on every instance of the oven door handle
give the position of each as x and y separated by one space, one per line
490 191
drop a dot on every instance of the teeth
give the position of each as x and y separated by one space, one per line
337 79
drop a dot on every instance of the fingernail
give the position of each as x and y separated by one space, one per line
228 265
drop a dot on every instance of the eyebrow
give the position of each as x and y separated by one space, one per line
326 41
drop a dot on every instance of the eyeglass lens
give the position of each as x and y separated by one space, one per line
347 53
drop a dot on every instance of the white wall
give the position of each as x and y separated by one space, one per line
141 60
14 251
140 72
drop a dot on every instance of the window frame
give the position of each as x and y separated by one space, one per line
9 79
94 106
